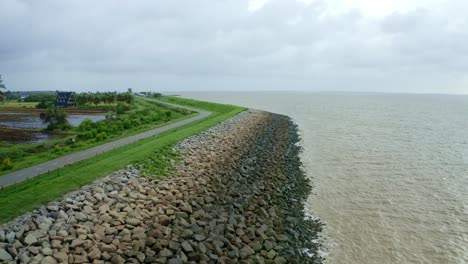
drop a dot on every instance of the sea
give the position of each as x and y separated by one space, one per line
389 171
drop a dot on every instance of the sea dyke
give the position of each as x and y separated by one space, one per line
236 196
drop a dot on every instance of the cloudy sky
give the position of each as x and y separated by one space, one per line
416 46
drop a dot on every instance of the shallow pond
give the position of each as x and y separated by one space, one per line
32 120
19 127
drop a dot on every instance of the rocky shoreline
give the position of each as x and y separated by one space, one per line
236 196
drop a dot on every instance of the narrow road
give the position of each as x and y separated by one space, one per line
33 171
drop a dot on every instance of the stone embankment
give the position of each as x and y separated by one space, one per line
236 197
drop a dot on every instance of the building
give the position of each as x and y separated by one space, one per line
64 99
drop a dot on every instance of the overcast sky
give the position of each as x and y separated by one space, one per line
418 46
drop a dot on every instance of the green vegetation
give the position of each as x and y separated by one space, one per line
2 86
6 164
45 96
56 118
25 196
108 98
16 104
133 119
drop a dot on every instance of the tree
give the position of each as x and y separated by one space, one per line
56 118
2 86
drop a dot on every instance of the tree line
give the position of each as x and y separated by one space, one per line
104 98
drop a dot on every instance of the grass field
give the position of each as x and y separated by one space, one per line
25 196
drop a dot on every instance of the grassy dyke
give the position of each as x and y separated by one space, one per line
24 197
30 157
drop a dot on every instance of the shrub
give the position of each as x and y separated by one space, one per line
127 124
7 164
101 136
44 104
86 125
56 118
121 108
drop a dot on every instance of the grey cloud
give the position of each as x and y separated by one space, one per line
213 45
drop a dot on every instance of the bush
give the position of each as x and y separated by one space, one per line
56 118
127 124
121 108
7 164
101 136
86 125
44 104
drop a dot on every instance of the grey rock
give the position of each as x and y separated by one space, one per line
141 257
199 237
5 256
80 216
61 257
174 245
95 253
10 237
175 261
186 208
30 239
234 253
53 208
24 258
268 245
202 247
186 246
133 221
280 260
271 254
166 253
246 251
48 260
44 227
47 251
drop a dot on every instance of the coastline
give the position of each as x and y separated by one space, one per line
236 195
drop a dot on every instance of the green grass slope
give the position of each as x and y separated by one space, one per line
23 197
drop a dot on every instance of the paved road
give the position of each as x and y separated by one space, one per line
33 171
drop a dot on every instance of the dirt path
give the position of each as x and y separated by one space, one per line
33 171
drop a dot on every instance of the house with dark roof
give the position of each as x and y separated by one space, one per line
64 99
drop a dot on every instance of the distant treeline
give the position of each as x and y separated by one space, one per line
103 98
33 96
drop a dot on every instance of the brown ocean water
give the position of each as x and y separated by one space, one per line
390 171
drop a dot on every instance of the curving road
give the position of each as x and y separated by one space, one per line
33 171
